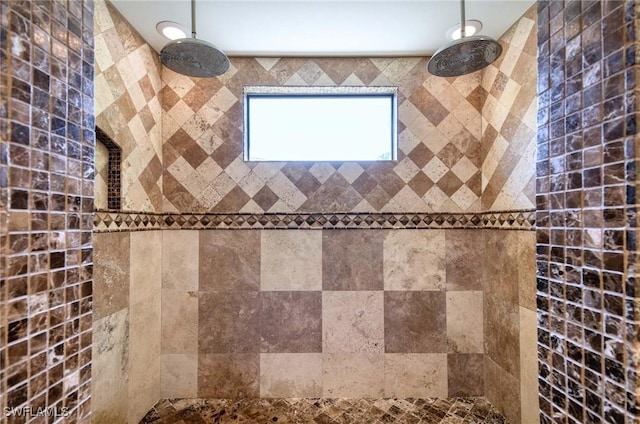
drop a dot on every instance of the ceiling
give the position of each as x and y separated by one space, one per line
319 27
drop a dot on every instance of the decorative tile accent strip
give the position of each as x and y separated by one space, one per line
107 221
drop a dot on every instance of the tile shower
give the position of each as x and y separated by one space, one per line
281 244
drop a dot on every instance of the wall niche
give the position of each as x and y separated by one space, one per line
108 179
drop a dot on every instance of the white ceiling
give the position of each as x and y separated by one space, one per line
320 27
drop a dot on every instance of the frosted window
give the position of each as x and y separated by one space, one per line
320 123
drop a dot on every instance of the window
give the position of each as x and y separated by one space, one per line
320 123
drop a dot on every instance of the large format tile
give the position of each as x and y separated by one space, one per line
414 260
229 260
352 260
415 322
502 334
291 260
110 273
290 322
180 260
229 322
145 265
415 375
465 326
352 375
235 376
179 322
503 390
296 375
529 366
353 321
465 374
463 263
178 375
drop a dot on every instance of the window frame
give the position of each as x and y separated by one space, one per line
321 91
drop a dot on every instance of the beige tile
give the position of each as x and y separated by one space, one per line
465 332
110 368
145 258
529 367
352 375
179 322
144 356
502 390
291 260
179 375
416 375
110 273
353 322
180 260
501 273
527 269
290 375
414 260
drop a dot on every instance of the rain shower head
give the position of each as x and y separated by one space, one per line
465 55
193 57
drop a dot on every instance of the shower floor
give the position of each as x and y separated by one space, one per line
321 411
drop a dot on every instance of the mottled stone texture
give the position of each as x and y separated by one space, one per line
46 199
127 108
586 200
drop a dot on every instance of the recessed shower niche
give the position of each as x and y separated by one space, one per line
108 180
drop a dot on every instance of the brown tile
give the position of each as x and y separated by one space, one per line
502 390
352 260
502 330
465 374
229 260
430 107
229 376
110 273
229 322
290 322
462 259
414 322
501 274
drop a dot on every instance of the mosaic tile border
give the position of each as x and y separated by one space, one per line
109 221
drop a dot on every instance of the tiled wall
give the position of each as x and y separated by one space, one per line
46 189
586 185
365 313
126 347
127 87
439 156
509 120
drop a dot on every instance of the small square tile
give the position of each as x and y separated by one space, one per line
465 332
352 260
291 260
352 375
290 375
229 260
415 375
415 322
234 376
353 322
290 322
414 260
228 322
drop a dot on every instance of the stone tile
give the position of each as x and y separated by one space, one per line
414 260
291 260
527 269
145 259
229 260
465 333
110 367
463 263
228 322
529 401
234 376
352 322
465 374
290 322
179 322
178 375
110 273
415 322
502 390
290 375
501 329
352 260
415 375
180 260
352 375
501 273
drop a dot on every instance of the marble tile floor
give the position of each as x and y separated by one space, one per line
324 411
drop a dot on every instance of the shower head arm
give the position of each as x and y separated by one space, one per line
193 18
463 21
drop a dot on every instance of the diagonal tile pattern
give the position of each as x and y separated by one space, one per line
439 157
127 108
321 411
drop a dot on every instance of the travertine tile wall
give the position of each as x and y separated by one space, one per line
509 120
240 307
128 110
46 189
586 200
126 311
